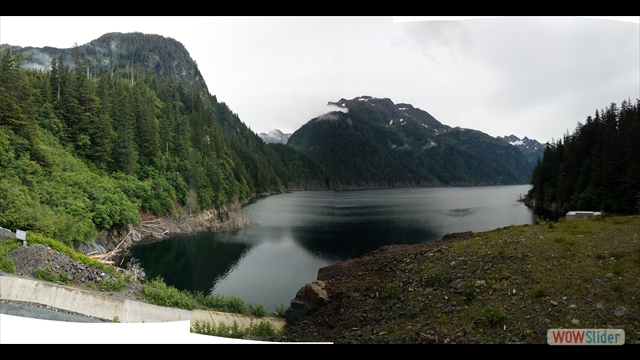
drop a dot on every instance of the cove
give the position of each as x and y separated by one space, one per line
290 236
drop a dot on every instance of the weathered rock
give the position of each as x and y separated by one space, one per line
6 234
309 297
91 246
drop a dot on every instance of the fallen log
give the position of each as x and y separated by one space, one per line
122 241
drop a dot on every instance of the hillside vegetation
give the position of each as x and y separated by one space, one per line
92 135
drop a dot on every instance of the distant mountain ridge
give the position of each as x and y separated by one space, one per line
275 136
381 144
531 148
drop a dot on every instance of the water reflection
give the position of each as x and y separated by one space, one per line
297 233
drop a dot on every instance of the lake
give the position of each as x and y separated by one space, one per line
292 235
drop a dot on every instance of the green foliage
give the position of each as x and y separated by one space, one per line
432 275
80 154
49 275
257 310
617 286
539 292
159 293
116 319
468 290
6 263
262 329
597 167
230 304
113 284
281 311
495 316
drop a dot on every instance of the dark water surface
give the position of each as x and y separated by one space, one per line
295 234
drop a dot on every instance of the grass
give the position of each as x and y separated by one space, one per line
549 269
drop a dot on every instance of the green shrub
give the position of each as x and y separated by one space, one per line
6 263
235 305
432 276
257 310
113 285
495 316
158 293
468 290
49 275
539 291
262 329
281 310
617 286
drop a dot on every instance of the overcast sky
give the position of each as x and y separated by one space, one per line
525 76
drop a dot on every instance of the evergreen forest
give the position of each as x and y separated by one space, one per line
595 168
122 124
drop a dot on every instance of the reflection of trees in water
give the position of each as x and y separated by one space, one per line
347 241
190 262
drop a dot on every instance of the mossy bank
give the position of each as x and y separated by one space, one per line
509 285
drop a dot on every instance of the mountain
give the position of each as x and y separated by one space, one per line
531 148
95 135
275 136
377 143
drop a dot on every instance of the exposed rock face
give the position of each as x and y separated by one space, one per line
226 217
310 297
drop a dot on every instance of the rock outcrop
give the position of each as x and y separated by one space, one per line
226 217
6 234
309 298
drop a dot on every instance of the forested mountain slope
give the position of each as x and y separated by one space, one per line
380 144
91 134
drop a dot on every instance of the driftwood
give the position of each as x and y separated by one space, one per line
101 256
122 241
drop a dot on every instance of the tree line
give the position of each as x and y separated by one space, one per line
83 149
595 168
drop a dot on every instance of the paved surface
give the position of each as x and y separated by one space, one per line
45 300
44 312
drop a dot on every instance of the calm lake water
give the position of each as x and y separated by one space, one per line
295 234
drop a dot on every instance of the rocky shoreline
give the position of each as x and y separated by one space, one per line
122 238
509 286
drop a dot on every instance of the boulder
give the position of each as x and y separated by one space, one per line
310 297
6 234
